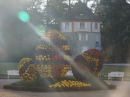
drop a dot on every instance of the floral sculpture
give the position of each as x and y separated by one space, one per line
53 55
51 60
96 60
27 69
88 63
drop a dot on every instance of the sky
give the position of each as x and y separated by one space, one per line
128 1
72 1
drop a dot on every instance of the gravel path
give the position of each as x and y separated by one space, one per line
123 90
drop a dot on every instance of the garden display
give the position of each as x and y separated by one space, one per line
53 55
87 64
52 58
27 69
52 61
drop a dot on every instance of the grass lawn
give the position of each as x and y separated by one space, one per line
109 68
4 66
7 66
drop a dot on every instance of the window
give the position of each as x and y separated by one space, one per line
96 25
97 44
97 38
82 25
83 37
68 25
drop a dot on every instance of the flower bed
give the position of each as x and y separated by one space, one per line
88 64
64 84
40 89
52 61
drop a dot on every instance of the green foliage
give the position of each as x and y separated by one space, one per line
126 37
114 21
115 18
4 66
50 12
107 69
47 13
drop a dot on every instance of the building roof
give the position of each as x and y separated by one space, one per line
80 12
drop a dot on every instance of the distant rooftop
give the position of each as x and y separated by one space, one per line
80 12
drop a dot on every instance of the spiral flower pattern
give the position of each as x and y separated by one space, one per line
27 69
88 63
52 55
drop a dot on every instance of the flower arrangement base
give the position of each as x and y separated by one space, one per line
40 89
78 86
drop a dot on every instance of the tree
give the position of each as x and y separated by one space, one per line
115 18
47 13
17 38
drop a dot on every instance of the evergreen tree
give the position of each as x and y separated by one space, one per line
115 18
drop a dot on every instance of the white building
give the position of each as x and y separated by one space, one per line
81 28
